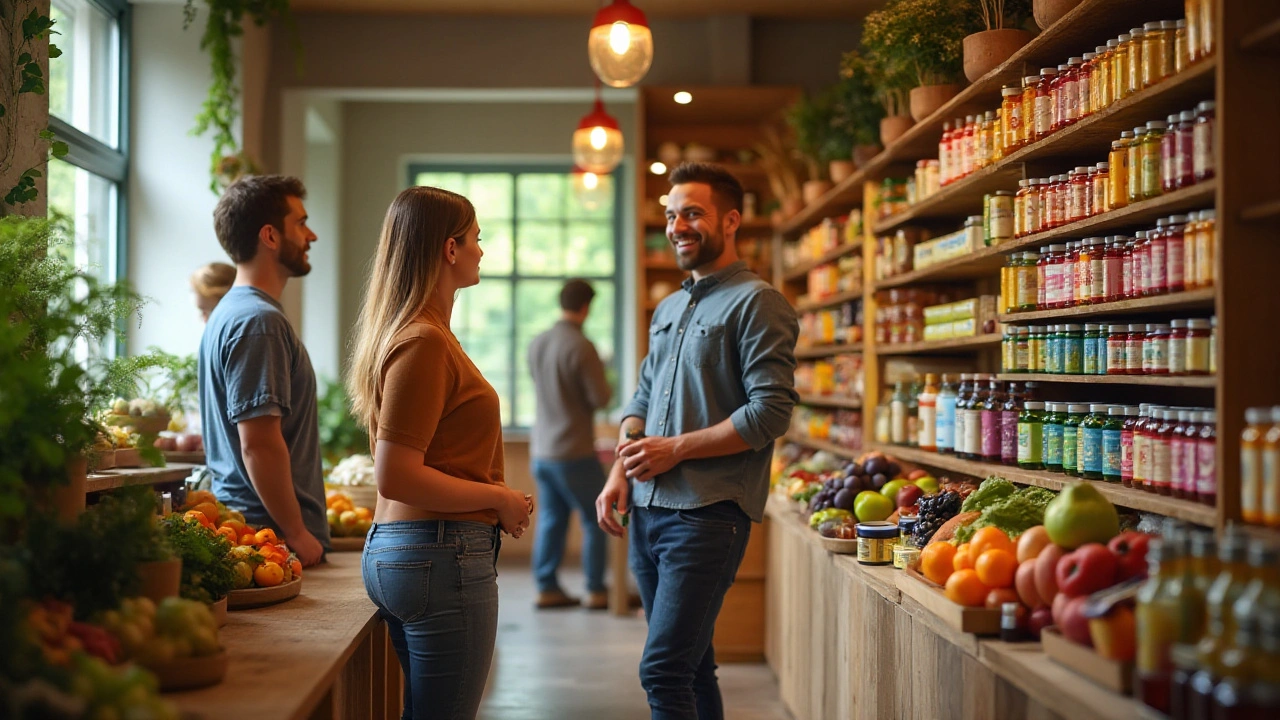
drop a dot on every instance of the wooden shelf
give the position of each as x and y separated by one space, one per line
1028 668
814 444
988 260
846 195
1261 211
1202 299
1263 41
938 347
801 271
829 301
959 199
1118 494
821 351
1184 381
835 401
112 479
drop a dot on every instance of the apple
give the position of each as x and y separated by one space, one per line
915 475
1115 634
1130 550
1074 625
1024 579
1031 542
1086 570
1041 618
908 495
1059 604
1046 574
891 488
928 484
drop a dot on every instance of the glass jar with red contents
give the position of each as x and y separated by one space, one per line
1175 253
1042 198
1178 485
1177 347
1113 269
1169 154
1084 87
1117 341
1184 150
1044 102
1058 199
1042 282
1202 140
1067 293
1206 458
1071 91
1098 269
968 146
1133 349
1158 259
1128 270
1077 192
1083 291
944 155
1156 349
1056 87
1053 277
1126 444
1141 264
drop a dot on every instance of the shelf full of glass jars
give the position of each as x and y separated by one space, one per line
915 315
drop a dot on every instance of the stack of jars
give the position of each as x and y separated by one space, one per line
973 416
1169 451
1177 255
1180 347
831 326
900 314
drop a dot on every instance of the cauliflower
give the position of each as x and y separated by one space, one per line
353 470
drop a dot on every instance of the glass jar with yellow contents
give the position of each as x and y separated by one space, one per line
1134 80
1151 176
1099 84
1120 68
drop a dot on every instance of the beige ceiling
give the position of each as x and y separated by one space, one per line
653 8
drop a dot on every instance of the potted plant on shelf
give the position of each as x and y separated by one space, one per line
924 37
859 109
986 50
1048 12
810 121
891 82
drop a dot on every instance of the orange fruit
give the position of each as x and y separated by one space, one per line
228 533
1000 596
248 539
210 510
936 561
198 517
266 535
268 574
964 588
990 538
296 565
963 559
364 513
197 497
238 527
996 568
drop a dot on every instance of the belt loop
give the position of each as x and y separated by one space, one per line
440 532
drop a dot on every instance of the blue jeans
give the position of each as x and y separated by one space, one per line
435 584
563 486
684 562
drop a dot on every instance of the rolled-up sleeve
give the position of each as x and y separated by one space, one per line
639 405
767 343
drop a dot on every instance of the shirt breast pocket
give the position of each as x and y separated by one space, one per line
660 340
708 345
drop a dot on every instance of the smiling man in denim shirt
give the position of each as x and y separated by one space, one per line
715 391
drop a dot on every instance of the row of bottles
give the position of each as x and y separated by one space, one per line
1180 347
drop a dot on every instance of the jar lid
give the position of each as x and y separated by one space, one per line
1156 125
1081 169
1033 405
1131 410
1056 407
1209 214
1135 32
1117 328
1075 61
1048 71
1073 328
1117 410
1099 407
1100 49
1153 25
1089 56
1186 415
907 523
1103 166
1177 219
1030 80
1198 324
1077 408
1137 328
1206 106
1175 324
1037 329
877 530
1063 68
1172 24
1022 331
1187 116
1208 416
1004 193
1111 44
1158 328
1138 130
989 115
969 119
1010 91
1172 119
1058 247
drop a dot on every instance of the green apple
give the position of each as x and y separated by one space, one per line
891 488
871 505
928 484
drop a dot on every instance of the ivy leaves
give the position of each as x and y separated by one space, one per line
25 189
30 78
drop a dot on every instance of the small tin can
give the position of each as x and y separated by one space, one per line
876 541
904 555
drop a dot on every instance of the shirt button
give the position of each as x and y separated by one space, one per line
681 331
667 392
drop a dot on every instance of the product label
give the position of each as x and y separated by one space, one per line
1126 453
1053 444
1074 362
1142 268
1175 262
991 425
1053 284
958 434
1206 468
972 432
1091 450
1009 436
1202 148
1041 359
1022 355
1271 485
1250 484
1030 442
1159 354
1090 360
928 426
1159 281
1191 464
1070 438
1141 457
1111 453
1197 360
1133 354
1044 115
1179 473
1115 353
1177 356
945 434
898 422
1113 280
1161 472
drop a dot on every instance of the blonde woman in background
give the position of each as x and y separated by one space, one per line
436 436
210 283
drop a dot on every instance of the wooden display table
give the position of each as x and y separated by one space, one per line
324 654
846 643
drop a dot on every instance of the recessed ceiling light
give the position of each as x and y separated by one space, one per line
683 97
662 200
657 167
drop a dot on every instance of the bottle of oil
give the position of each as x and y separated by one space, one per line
1158 616
1232 579
1239 664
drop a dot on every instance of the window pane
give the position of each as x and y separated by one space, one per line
495 240
541 195
452 181
600 323
594 203
89 202
590 249
84 84
482 322
491 194
540 247
537 308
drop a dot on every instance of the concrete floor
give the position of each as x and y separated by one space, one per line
579 665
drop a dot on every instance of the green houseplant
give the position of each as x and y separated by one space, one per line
25 32
890 81
986 49
340 434
924 38
810 121
858 111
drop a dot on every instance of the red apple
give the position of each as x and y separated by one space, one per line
1088 569
1074 625
1025 581
1041 618
1059 604
908 495
1130 549
1046 572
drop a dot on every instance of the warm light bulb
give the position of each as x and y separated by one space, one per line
683 98
590 181
598 138
620 38
657 167
662 200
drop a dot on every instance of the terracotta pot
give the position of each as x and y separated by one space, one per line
68 500
219 610
160 579
863 154
1048 12
892 128
814 189
985 51
840 170
792 205
926 99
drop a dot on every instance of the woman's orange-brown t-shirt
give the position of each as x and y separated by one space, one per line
433 398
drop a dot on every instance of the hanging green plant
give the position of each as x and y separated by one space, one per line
220 110
24 27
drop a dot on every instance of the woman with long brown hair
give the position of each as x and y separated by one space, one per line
436 437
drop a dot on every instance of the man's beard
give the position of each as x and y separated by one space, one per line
294 257
710 248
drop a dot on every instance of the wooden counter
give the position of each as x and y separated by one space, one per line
846 643
323 654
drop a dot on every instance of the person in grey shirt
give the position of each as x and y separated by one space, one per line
569 385
715 390
257 387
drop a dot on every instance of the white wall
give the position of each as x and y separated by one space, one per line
321 291
170 204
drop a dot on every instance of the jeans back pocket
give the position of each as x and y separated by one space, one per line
403 588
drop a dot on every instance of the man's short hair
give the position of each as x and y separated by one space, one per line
248 204
725 188
575 295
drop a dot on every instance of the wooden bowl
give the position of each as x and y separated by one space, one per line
249 598
839 546
192 672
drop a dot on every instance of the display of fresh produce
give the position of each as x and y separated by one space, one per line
1086 570
60 637
206 568
843 528
157 635
1013 513
870 506
126 692
822 516
934 511
345 519
1130 549
992 490
352 470
1080 515
257 557
947 531
1031 542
